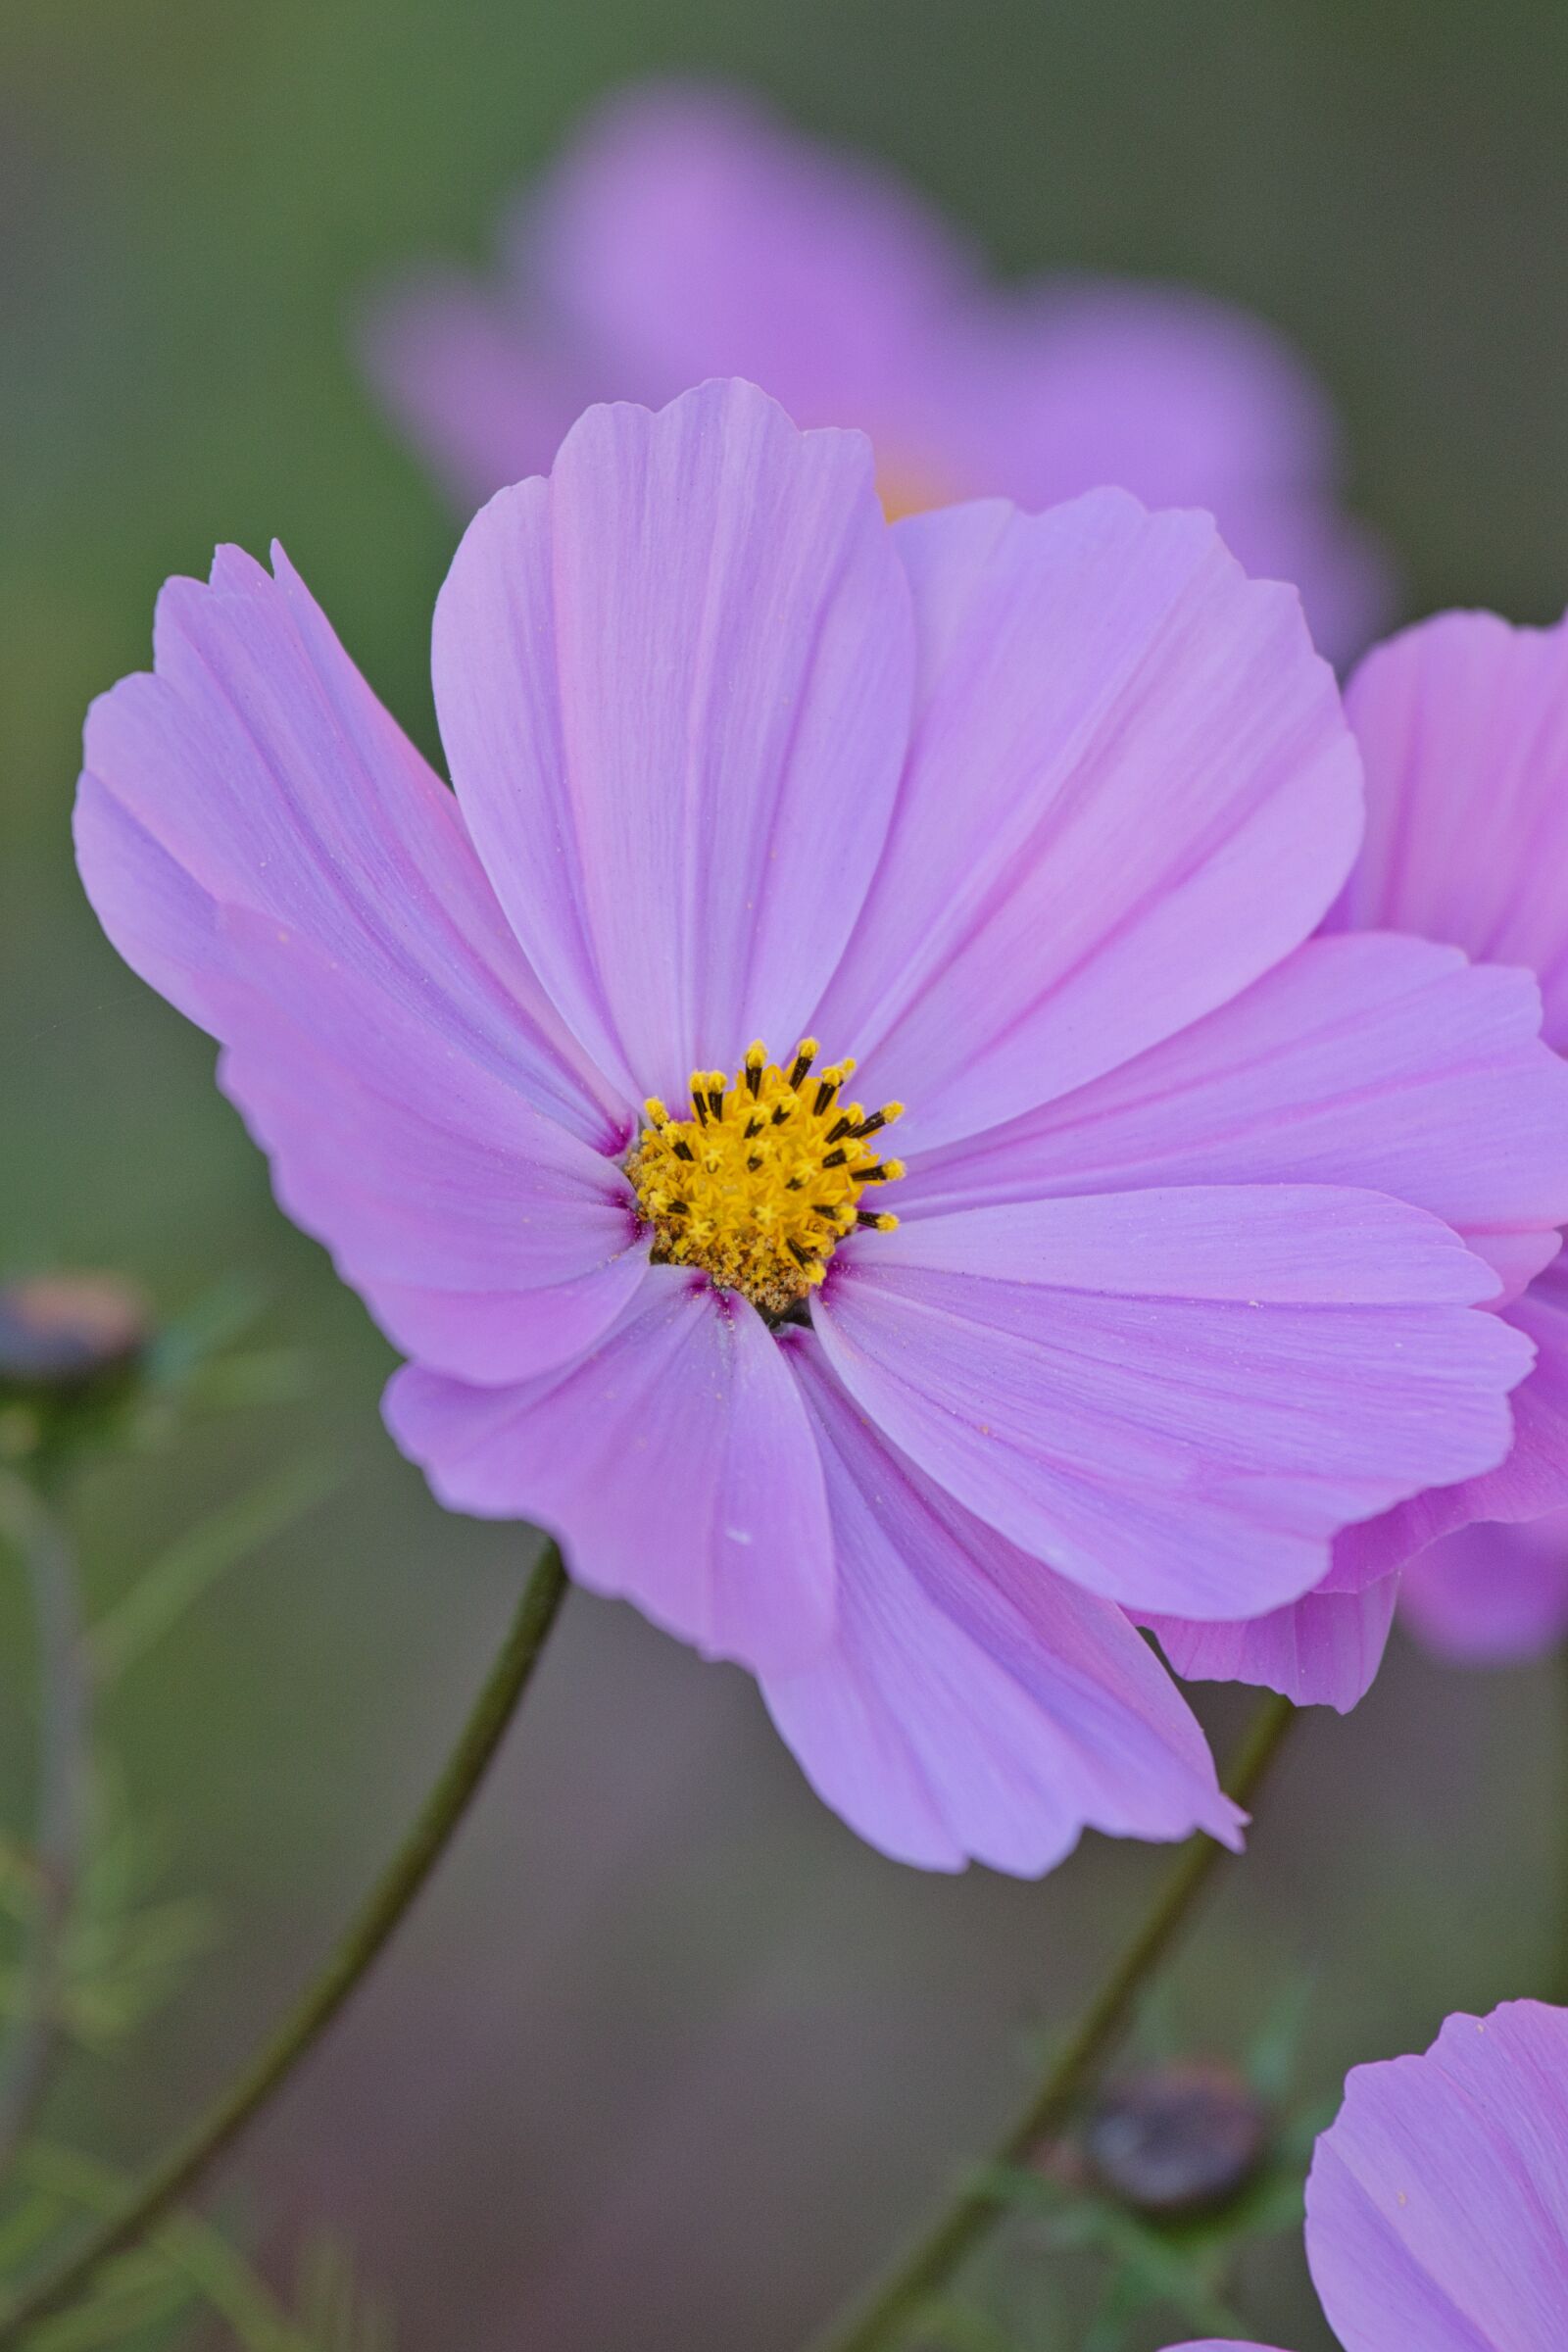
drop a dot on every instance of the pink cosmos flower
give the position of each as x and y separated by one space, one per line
1030 813
688 233
1463 727
1436 2207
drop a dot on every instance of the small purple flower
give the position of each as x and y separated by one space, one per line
1030 813
1463 727
1436 2207
688 233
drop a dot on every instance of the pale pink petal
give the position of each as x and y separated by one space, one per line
1131 792
1367 1060
255 770
1436 2207
488 1241
1322 1650
1531 1479
972 1704
675 1463
1463 725
673 683
1175 1398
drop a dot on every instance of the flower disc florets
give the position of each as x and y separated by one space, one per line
765 1179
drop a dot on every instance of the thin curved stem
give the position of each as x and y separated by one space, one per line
880 2322
64 1782
367 1937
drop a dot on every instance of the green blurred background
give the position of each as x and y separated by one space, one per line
667 2059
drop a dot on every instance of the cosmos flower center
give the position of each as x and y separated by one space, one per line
763 1181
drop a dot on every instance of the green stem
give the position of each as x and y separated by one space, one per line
60 1837
881 2321
388 1905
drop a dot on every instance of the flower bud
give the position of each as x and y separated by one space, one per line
61 1333
1177 2138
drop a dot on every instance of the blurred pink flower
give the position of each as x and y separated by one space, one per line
1436 2207
1493 1595
1463 727
1172 1293
688 233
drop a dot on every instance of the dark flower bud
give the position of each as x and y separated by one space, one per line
1177 2139
63 1332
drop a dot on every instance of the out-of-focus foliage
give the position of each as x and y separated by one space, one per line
96 1943
127 1944
165 2293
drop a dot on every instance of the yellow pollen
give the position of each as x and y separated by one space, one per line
761 1184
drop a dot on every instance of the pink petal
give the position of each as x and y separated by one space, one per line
675 1464
972 1704
1367 1060
1463 725
1097 844
1531 1479
1491 1595
1176 1397
1322 1650
256 770
488 1241
673 683
1437 2208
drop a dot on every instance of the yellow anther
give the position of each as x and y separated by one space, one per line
763 1182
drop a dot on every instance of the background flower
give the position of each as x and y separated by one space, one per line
688 233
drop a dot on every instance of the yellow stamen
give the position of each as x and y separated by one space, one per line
763 1182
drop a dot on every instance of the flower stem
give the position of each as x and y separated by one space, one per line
882 2319
367 1937
64 1776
